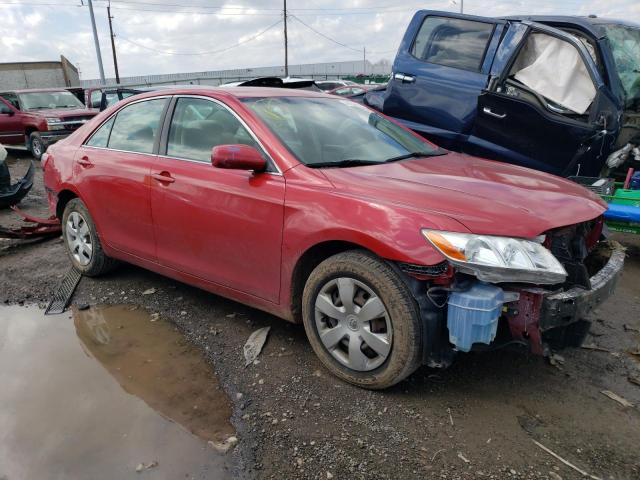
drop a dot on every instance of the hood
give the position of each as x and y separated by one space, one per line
65 112
487 197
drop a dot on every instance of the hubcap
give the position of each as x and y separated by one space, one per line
353 324
79 239
36 147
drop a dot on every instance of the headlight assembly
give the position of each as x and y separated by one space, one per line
498 259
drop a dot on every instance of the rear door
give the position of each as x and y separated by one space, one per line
112 171
442 66
546 106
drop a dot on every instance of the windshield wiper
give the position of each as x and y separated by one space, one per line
348 162
434 153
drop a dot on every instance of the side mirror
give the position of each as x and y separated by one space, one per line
238 157
7 111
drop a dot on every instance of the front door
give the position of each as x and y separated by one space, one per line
442 66
224 226
113 173
11 128
546 109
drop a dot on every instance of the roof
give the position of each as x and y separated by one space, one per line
239 92
590 24
35 90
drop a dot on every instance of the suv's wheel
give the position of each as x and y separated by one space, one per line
82 241
36 145
361 320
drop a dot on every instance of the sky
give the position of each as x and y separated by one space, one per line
173 36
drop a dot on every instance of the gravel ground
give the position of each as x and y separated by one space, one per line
478 419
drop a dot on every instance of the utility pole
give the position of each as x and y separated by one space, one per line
461 6
286 46
113 44
364 60
95 40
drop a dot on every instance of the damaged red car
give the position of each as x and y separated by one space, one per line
392 252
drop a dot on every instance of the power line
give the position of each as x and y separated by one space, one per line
325 36
212 52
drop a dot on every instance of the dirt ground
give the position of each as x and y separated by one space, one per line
478 419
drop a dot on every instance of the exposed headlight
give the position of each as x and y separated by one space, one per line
498 259
54 124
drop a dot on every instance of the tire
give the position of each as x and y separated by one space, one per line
82 242
36 145
391 343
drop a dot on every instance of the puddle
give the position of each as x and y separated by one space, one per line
98 393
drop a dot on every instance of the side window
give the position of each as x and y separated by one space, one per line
96 97
136 126
198 125
12 98
452 42
100 137
554 69
4 108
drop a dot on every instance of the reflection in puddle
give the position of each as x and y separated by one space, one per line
154 362
63 416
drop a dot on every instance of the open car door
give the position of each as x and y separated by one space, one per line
545 106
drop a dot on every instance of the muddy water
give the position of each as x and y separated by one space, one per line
96 394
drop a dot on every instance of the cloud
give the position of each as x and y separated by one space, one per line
54 30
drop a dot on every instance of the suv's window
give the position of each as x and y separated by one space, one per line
452 42
198 125
12 98
136 126
101 136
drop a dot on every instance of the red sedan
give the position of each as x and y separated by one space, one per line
391 251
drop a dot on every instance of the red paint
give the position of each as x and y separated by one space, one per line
238 157
240 234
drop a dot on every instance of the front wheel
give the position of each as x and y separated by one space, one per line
37 145
362 320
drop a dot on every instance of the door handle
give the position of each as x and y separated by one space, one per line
163 177
404 78
85 162
488 111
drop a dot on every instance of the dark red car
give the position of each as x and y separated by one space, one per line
392 252
36 118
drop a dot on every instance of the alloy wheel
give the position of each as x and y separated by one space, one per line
353 324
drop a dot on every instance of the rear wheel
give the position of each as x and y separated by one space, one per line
37 146
82 241
361 320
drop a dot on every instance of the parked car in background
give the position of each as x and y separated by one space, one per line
559 94
38 118
103 97
276 82
326 85
348 91
391 251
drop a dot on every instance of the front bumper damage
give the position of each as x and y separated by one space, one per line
545 318
541 319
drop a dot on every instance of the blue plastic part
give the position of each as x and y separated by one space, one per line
622 213
472 316
635 181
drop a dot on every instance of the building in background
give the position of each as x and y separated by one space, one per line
55 74
317 71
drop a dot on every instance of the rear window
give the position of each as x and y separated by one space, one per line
452 42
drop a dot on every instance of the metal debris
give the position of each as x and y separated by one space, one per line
254 344
593 346
566 462
622 401
64 292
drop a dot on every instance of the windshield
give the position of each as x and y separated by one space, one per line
45 100
625 45
334 132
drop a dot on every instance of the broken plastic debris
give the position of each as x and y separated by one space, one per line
254 345
224 446
617 398
144 466
618 157
149 291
